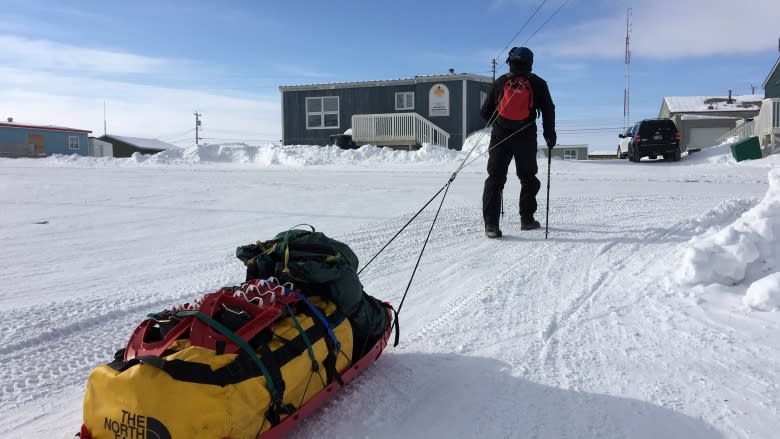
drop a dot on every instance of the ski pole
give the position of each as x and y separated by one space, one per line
547 216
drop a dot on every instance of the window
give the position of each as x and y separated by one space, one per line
73 142
570 154
322 112
482 98
404 101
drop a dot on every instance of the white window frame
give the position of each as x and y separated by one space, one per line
408 100
570 154
71 141
322 113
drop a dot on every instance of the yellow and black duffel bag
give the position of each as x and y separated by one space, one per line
232 366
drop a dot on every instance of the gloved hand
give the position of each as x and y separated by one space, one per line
550 139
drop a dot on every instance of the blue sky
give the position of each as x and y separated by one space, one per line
155 63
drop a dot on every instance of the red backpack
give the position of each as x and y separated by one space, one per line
517 99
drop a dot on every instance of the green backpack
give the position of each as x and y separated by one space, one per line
319 265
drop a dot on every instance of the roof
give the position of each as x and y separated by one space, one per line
388 82
43 127
703 104
140 142
774 68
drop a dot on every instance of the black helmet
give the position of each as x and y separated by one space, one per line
520 55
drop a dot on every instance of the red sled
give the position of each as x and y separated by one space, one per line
205 336
289 423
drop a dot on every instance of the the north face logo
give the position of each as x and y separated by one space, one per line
135 426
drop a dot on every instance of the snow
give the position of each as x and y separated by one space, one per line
681 104
649 311
145 143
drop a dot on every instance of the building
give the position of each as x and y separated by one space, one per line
27 140
702 120
439 109
772 83
124 146
568 152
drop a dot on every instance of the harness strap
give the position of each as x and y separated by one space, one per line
222 329
314 364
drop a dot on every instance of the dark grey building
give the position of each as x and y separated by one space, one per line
439 109
124 146
772 83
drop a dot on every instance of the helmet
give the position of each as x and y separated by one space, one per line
520 55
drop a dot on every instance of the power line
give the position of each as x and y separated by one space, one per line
548 20
522 28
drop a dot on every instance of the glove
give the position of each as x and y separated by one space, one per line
550 139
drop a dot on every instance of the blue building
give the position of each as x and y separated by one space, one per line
25 140
439 109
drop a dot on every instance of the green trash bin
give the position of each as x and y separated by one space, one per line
746 149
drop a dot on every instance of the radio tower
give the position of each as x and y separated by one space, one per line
626 78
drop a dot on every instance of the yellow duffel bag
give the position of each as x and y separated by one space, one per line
191 391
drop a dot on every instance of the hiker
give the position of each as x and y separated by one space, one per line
512 105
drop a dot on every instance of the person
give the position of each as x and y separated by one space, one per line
511 138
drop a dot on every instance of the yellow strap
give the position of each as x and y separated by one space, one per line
286 259
333 258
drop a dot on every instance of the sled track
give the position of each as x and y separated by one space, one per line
49 358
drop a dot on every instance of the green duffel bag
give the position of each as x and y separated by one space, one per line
317 263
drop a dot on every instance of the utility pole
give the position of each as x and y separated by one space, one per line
493 61
105 130
626 81
197 126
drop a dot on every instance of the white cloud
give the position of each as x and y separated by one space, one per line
132 109
48 55
666 29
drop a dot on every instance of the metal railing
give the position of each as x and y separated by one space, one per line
765 126
397 129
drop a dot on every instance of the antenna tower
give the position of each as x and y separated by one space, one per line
626 75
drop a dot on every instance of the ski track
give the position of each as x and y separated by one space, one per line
544 332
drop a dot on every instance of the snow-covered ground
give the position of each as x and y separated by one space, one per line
649 312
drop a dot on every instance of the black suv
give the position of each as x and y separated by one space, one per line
654 137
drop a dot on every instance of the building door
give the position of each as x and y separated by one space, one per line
37 140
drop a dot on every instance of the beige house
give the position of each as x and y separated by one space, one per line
702 120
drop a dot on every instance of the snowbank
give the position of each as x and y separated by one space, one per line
267 155
745 252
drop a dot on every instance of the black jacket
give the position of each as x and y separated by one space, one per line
543 103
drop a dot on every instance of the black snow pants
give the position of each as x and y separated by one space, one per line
522 147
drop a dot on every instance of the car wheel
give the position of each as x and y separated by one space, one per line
676 155
632 154
668 157
619 155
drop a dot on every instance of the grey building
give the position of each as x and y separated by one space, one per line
438 109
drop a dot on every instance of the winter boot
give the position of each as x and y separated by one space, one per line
492 231
529 223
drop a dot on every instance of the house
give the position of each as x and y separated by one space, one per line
28 140
772 83
569 152
99 148
124 146
765 124
702 120
437 109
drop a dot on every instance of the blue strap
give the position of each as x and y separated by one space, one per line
328 326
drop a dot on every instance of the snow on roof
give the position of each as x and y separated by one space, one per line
682 104
705 117
42 127
388 82
144 143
